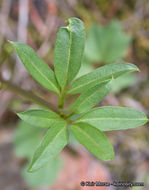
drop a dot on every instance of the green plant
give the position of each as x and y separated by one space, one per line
106 44
86 124
26 139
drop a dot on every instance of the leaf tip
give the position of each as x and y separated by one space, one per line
30 169
11 42
136 68
111 157
19 114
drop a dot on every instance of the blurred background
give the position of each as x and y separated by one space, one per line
116 30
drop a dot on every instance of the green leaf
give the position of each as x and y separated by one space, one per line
39 70
94 140
109 118
26 139
40 118
44 176
69 47
101 75
91 97
53 142
106 43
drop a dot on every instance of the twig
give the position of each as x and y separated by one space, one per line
5 30
20 72
23 20
27 94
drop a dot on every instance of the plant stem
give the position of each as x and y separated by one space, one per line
27 95
61 99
